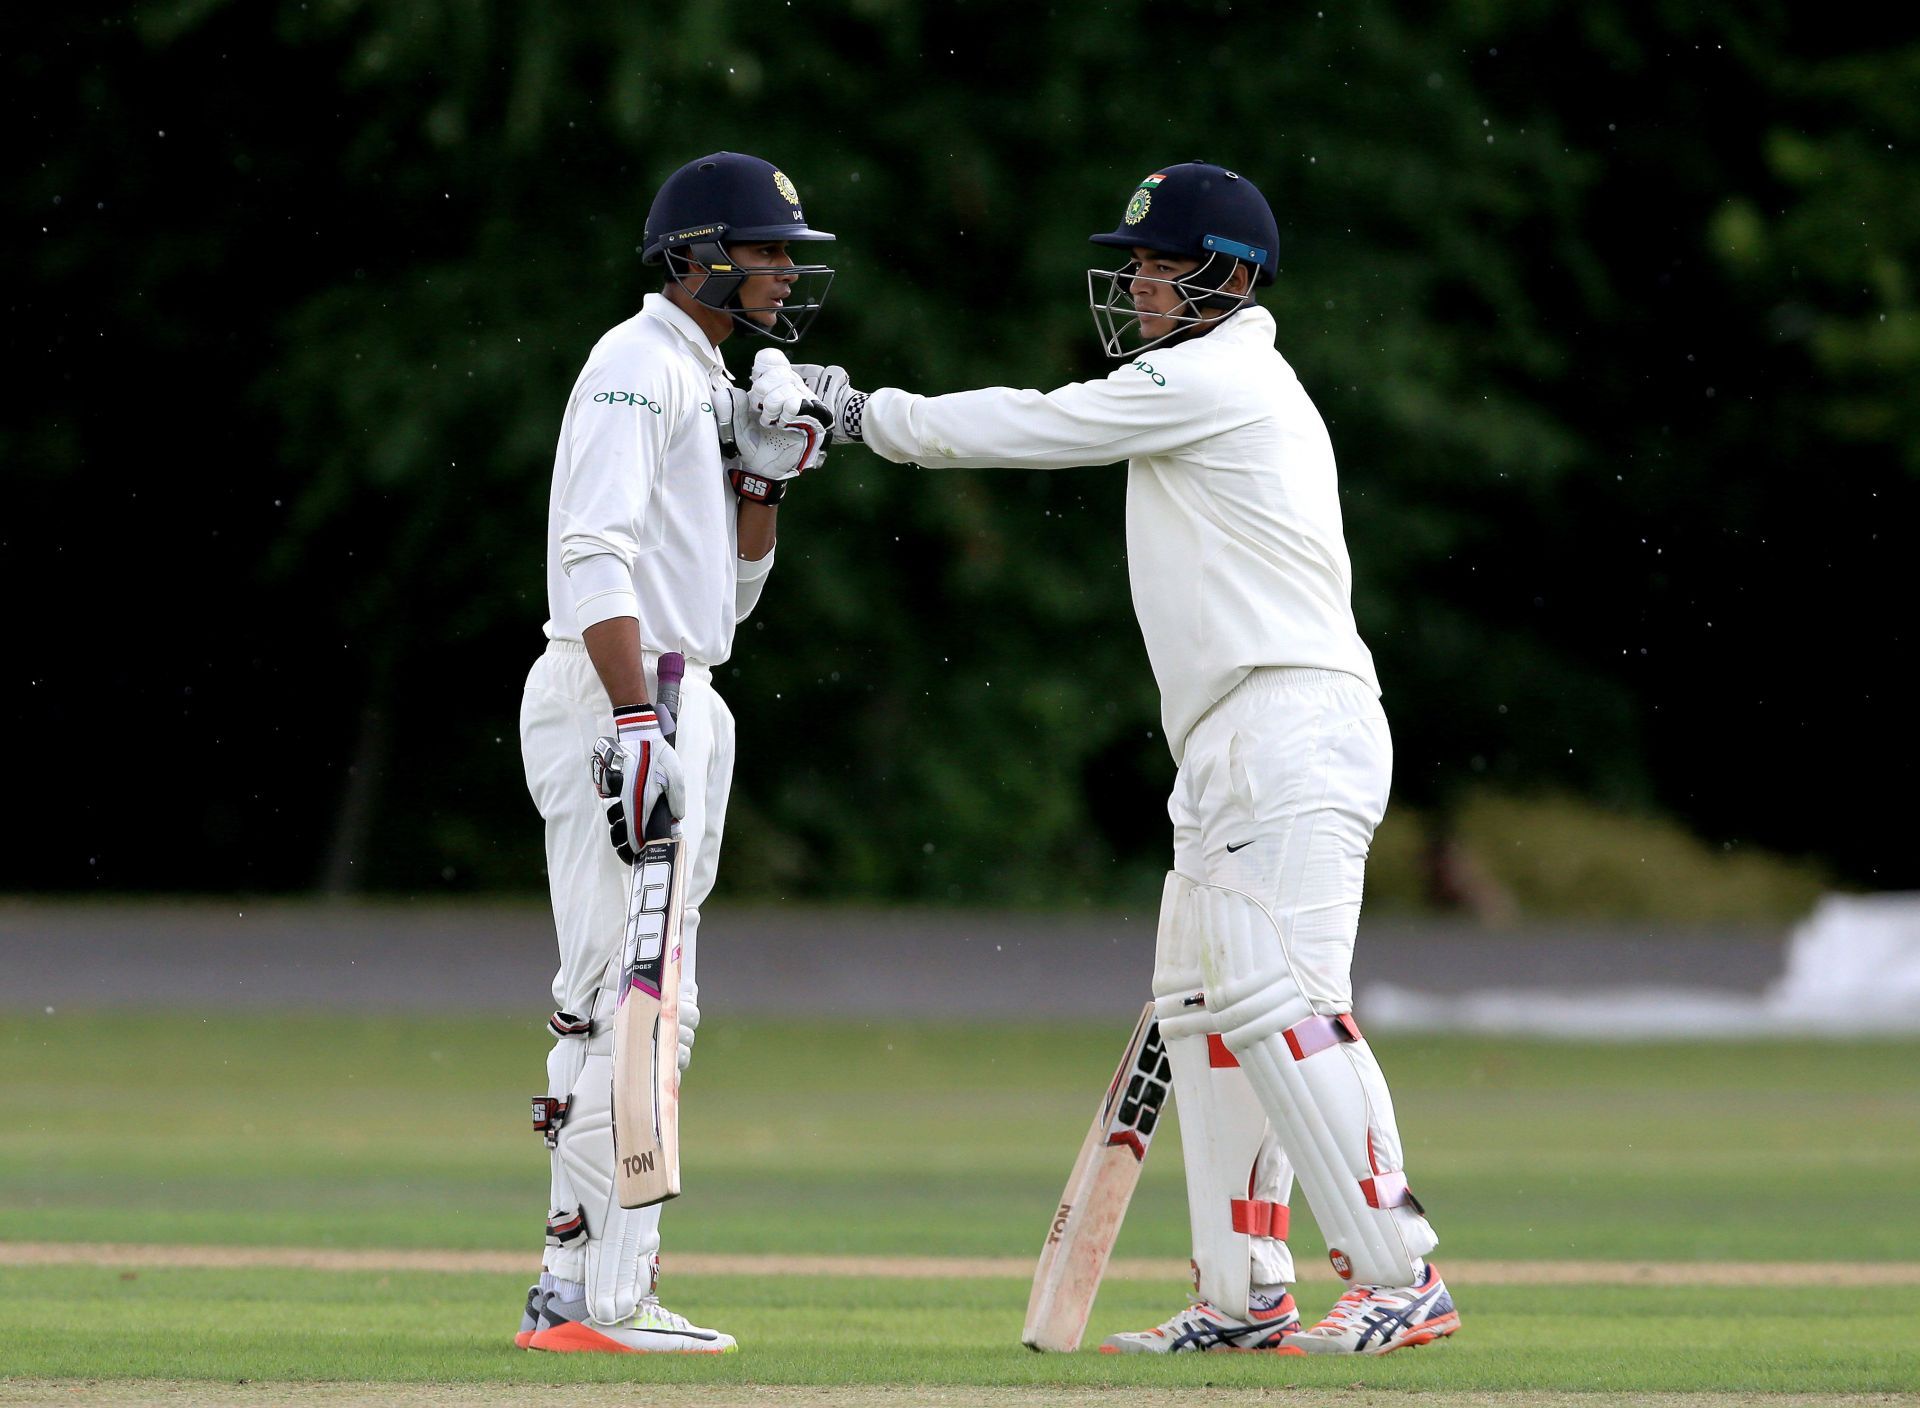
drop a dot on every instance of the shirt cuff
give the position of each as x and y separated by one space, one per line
603 589
886 411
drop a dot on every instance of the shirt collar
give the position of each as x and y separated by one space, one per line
658 305
1251 321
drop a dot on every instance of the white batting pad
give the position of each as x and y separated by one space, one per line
621 1242
1222 1127
1321 1088
564 1064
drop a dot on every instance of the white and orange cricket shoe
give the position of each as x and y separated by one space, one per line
530 1317
1379 1319
1202 1329
566 1328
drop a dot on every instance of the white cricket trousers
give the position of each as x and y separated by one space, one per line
1279 791
563 710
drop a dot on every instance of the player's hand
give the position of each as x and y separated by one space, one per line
760 459
830 386
633 770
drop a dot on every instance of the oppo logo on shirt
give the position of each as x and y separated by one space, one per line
628 398
1146 367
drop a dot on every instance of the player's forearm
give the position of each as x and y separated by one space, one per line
757 528
613 646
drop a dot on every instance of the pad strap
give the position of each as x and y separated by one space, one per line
1259 1218
564 1024
566 1228
1317 1033
549 1113
1218 1057
1388 1190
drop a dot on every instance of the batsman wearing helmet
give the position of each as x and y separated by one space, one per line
1243 588
656 542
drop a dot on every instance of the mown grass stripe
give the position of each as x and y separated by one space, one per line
1460 1271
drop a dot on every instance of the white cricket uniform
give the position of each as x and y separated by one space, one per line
641 523
1242 584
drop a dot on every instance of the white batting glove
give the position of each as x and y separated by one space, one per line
776 393
831 387
760 459
689 1024
635 771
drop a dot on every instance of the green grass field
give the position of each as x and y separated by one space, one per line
925 1141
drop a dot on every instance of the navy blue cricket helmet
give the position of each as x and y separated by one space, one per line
1199 211
725 199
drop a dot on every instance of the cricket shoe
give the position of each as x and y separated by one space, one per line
1201 1328
1378 1319
566 1328
530 1317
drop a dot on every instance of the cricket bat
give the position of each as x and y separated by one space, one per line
1074 1256
646 1022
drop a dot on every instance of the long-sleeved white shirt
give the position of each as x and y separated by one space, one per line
641 521
1235 546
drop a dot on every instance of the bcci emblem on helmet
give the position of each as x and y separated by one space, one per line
786 188
1142 201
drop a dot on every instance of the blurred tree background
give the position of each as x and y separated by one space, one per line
1611 310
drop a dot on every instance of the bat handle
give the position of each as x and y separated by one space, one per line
672 668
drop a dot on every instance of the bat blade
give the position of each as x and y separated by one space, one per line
1087 1221
646 1032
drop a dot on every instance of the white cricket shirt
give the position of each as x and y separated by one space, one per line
1235 547
641 520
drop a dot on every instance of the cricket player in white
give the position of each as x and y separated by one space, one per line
653 545
1270 704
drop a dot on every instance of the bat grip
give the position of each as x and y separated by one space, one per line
672 667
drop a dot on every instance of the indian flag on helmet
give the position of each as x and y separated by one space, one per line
1143 198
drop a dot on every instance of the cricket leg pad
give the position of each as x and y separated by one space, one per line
1222 1126
566 1229
1179 989
1321 1088
1269 1193
618 1259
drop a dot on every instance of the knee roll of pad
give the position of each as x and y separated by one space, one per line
1303 1068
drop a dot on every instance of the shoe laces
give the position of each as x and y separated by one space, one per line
1347 1309
1195 1306
651 1315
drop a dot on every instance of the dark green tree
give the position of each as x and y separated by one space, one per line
1610 313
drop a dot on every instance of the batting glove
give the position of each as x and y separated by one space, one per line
689 1023
761 459
830 386
635 770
